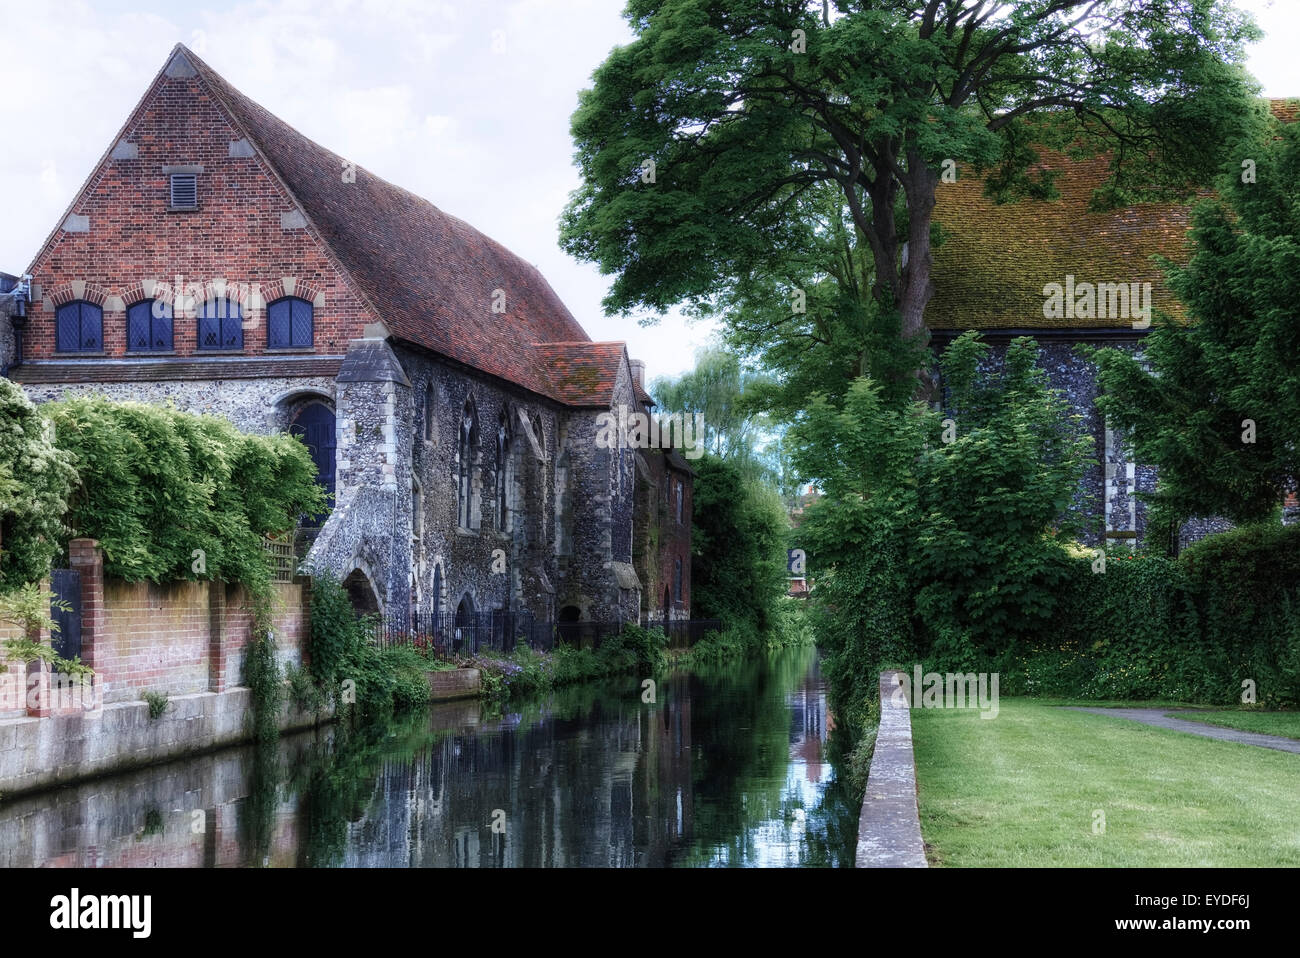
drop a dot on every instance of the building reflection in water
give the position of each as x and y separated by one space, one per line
728 766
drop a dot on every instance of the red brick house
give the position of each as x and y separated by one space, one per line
218 259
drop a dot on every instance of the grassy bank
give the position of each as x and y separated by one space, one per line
634 650
524 671
1025 789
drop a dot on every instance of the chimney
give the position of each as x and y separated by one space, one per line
638 371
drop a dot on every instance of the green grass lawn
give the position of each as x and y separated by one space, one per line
1022 789
1269 723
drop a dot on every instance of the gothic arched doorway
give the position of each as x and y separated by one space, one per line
315 425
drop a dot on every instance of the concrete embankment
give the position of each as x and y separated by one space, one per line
889 828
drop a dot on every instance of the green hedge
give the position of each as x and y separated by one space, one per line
1192 629
156 485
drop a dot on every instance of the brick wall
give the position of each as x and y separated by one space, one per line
179 638
176 638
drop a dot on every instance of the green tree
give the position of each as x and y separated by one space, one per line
36 478
738 543
729 399
703 143
939 533
1215 403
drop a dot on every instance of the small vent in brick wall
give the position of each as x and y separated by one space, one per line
185 191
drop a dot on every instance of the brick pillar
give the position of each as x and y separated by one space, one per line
39 704
216 636
85 556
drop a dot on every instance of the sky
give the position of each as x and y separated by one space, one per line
465 102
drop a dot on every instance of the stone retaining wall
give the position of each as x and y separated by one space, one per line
889 829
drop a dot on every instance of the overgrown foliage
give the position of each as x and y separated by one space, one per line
157 702
739 532
36 478
170 495
380 680
633 650
1221 620
938 533
31 610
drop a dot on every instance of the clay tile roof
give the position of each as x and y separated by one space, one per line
581 373
430 275
995 259
990 271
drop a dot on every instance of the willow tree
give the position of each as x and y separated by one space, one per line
702 141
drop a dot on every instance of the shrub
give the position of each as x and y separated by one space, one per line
36 478
1245 585
156 484
157 702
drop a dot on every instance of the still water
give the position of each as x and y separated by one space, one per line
729 765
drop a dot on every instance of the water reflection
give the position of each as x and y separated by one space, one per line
731 765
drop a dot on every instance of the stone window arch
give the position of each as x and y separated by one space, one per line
540 434
467 448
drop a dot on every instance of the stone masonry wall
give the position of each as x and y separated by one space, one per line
468 561
253 405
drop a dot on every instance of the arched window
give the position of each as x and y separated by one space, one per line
502 480
677 581
221 324
149 326
79 328
540 434
428 412
289 324
465 465
680 512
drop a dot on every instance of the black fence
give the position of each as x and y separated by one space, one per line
451 633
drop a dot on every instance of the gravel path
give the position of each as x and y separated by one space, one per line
1157 717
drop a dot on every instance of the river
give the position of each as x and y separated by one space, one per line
729 765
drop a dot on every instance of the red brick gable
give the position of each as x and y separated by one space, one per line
134 247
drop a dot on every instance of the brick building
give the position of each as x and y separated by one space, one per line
218 259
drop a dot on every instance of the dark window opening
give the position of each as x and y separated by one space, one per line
221 324
465 466
289 324
79 328
503 454
149 326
